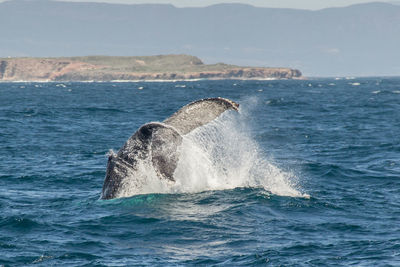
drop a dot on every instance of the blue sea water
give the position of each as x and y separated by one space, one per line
334 144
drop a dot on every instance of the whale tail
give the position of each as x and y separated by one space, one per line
199 113
158 143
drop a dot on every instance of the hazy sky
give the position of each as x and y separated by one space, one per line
302 4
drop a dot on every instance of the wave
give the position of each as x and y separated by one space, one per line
100 109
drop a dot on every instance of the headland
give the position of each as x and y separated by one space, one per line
115 68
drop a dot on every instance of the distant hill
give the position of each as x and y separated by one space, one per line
108 68
357 40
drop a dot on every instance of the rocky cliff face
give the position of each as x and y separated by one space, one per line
121 68
32 69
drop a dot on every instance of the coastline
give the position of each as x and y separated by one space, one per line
153 81
161 68
158 81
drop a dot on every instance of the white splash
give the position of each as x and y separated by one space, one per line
220 155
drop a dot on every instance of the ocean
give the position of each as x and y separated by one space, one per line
307 173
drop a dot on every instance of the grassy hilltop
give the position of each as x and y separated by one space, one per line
151 64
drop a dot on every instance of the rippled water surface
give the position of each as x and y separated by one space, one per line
327 191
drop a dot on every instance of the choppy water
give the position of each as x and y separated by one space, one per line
242 197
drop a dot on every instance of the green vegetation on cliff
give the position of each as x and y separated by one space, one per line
159 63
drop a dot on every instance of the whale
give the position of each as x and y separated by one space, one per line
155 145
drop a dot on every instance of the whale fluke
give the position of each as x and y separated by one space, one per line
198 113
156 144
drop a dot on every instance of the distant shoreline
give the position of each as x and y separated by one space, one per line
132 69
158 81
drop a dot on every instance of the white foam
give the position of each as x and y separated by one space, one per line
355 84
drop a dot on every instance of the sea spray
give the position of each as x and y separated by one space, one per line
217 156
222 155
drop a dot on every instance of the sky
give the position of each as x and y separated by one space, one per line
298 4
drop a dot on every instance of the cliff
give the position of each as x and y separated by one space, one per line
104 68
